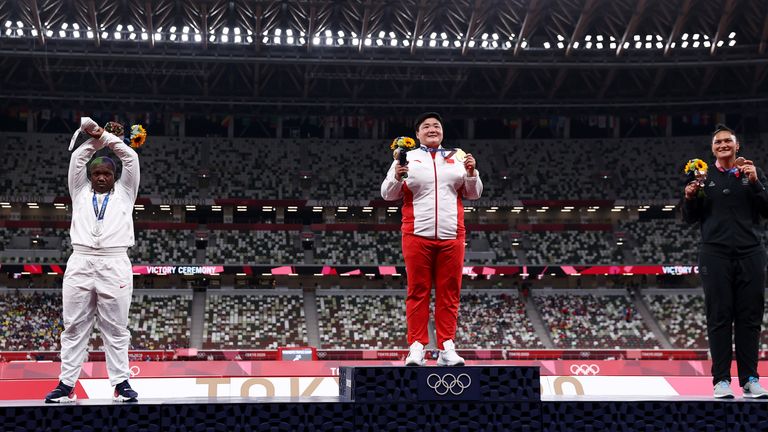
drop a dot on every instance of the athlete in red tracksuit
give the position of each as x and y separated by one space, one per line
433 234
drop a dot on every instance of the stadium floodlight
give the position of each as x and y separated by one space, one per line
507 44
576 44
547 45
224 38
696 36
172 38
588 45
588 38
707 44
684 44
120 27
328 33
484 44
685 36
420 42
289 40
367 41
731 35
118 35
433 35
276 40
696 44
637 37
144 36
64 26
62 33
560 45
340 41
432 43
443 35
720 43
406 42
132 36
237 30
648 37
599 45
329 41
49 33
599 38
495 36
659 45
484 36
224 31
560 38
524 44
8 23
648 45
104 35
302 41
130 27
446 43
238 39
316 40
732 42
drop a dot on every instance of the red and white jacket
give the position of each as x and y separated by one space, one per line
432 193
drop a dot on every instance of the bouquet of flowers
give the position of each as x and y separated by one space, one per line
138 136
400 146
696 170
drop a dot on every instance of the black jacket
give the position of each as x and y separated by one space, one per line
729 210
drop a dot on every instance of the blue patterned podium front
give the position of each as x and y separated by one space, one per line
471 398
386 384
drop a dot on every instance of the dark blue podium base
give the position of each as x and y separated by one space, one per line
395 399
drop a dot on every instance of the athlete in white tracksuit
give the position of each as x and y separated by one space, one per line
98 282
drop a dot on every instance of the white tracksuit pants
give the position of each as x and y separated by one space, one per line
97 289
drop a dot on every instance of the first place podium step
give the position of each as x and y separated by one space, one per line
469 398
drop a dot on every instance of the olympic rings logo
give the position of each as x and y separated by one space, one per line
449 383
585 369
135 370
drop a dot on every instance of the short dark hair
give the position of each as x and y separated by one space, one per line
721 127
423 116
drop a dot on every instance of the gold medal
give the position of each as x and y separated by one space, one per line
460 155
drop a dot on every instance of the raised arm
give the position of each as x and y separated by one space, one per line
78 177
391 188
129 178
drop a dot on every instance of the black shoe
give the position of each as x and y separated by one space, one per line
61 394
124 393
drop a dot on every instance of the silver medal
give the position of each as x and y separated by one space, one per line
98 229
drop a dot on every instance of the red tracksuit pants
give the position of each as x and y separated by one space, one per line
427 262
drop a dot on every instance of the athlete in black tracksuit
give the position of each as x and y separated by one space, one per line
732 258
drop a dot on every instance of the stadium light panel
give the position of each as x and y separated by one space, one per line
406 42
64 26
471 44
659 45
329 41
560 38
49 33
104 35
433 35
684 44
599 38
637 37
130 27
649 37
8 23
62 33
120 27
560 45
638 45
302 41
420 43
524 44
132 36
276 40
484 36
224 31
707 44
696 44
546 46
599 46
237 30
355 41
732 42
648 45
495 36
118 36
696 36
588 38
432 43
316 40
367 42
588 45
447 43
238 39
392 42
289 40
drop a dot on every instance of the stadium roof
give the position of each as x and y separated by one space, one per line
363 56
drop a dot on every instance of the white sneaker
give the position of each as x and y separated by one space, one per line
448 356
415 355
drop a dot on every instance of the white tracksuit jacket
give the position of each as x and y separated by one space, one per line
432 194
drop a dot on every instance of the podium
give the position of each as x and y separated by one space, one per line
443 398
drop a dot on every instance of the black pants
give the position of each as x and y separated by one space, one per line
734 295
